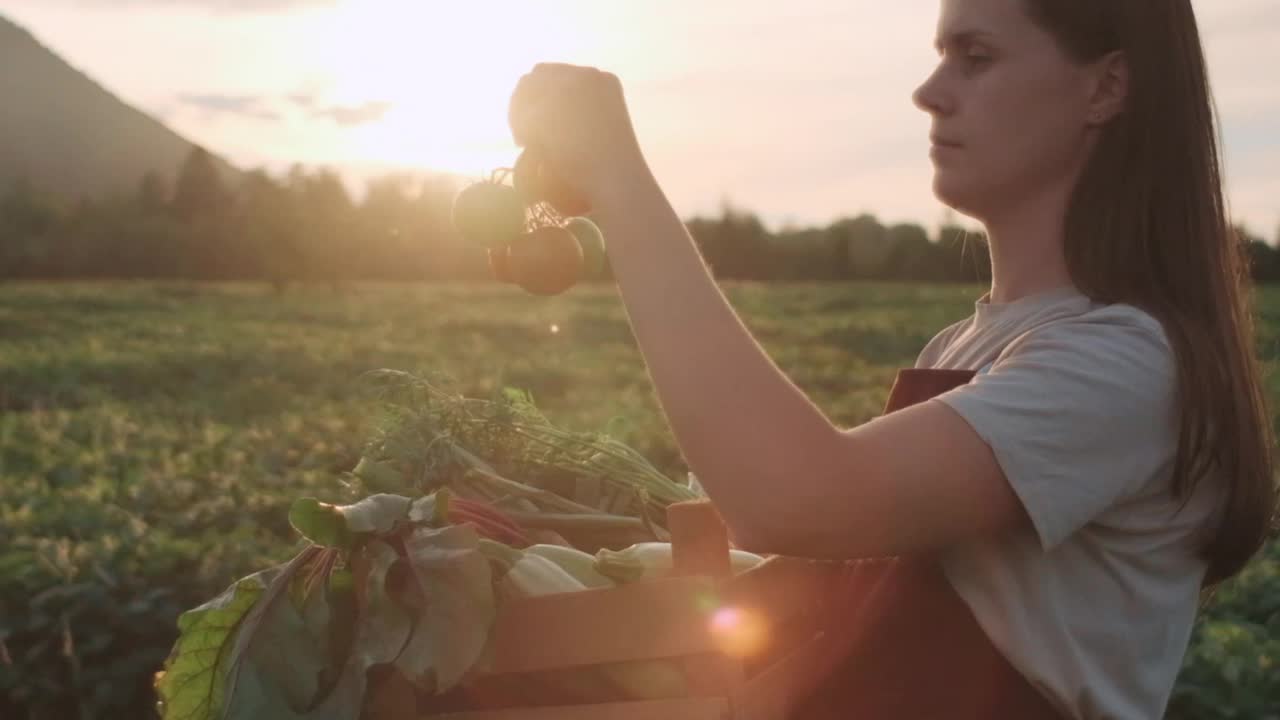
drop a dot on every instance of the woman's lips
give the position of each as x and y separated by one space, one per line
941 146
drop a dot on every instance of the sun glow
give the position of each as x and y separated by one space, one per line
444 71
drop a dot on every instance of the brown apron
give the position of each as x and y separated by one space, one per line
900 643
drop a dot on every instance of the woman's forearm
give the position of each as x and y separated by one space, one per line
752 437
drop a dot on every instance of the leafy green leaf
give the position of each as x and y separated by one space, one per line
248 632
191 686
342 611
377 474
384 624
321 523
456 607
278 677
317 616
259 699
289 654
338 525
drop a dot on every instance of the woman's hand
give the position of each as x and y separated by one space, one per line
576 119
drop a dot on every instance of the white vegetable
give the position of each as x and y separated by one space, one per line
534 575
573 561
654 559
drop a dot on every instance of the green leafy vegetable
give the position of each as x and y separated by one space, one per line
385 624
339 525
455 606
248 632
191 685
321 523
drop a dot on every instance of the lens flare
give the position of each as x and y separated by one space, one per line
738 632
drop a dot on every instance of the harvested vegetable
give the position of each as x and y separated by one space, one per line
655 559
577 563
535 181
567 200
488 214
533 575
289 643
410 576
545 261
592 242
487 521
479 446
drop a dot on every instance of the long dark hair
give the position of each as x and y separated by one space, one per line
1148 225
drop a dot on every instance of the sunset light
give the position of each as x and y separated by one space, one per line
370 87
437 83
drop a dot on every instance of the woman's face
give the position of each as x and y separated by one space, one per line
1010 110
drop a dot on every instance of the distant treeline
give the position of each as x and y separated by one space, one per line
306 228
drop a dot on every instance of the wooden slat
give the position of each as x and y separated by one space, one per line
782 588
647 619
682 709
699 539
774 693
711 675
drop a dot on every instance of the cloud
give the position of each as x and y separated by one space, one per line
303 99
243 105
259 107
344 115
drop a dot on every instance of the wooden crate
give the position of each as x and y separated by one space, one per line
680 618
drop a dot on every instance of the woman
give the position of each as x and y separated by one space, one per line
1106 452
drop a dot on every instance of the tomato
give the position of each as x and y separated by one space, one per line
536 182
488 214
592 242
500 263
546 261
565 199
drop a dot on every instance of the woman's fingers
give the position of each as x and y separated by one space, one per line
576 118
528 90
545 85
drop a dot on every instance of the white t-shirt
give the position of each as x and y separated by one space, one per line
1077 401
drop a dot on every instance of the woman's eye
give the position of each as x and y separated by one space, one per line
977 60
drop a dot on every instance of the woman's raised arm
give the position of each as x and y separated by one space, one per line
784 477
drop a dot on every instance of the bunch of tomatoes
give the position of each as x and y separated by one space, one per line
533 229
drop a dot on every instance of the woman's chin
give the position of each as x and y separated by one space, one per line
954 192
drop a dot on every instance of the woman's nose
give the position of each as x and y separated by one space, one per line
930 96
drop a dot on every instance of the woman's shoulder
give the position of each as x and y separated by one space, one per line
1100 328
932 351
1079 329
1129 316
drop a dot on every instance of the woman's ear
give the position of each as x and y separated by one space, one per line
1110 87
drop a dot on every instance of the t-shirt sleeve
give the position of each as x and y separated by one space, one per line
1079 415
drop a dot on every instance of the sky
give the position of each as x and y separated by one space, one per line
799 111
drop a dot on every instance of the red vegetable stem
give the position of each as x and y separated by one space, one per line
486 526
487 510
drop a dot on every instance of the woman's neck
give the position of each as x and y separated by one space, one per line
1027 247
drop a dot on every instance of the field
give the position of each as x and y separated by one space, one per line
152 436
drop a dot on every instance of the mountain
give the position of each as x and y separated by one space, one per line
67 134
